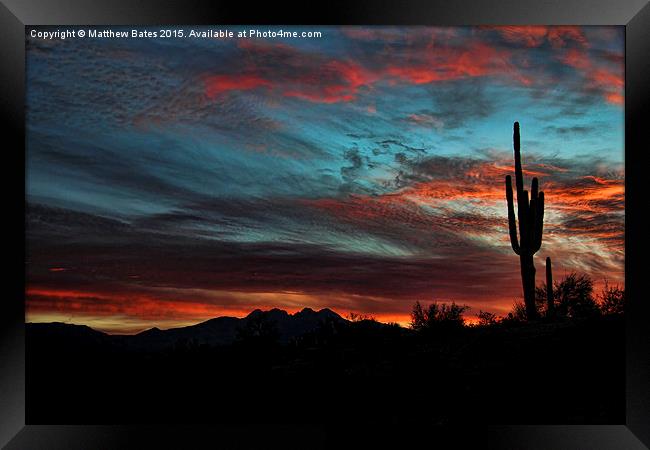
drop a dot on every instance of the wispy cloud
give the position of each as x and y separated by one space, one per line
168 183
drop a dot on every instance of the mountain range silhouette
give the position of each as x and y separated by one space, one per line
218 331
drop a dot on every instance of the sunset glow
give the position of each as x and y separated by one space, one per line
173 181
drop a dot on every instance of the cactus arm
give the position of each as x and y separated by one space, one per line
539 222
522 204
534 189
512 221
524 227
519 178
532 229
550 302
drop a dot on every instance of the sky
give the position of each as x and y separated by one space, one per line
170 181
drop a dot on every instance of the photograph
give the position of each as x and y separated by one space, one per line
325 224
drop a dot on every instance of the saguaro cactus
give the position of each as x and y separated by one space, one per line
530 215
550 304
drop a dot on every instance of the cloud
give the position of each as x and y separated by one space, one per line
452 63
605 78
571 130
538 35
362 172
441 236
311 76
218 84
290 72
536 49
454 104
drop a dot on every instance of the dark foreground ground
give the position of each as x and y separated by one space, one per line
567 373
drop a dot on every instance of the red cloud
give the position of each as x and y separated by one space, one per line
613 97
304 75
573 45
475 59
313 77
577 59
535 36
605 79
530 36
423 57
561 36
338 81
219 84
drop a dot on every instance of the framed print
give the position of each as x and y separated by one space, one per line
247 226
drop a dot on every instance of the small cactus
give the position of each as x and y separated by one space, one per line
530 215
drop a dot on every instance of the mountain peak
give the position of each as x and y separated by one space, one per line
275 312
329 313
254 313
150 331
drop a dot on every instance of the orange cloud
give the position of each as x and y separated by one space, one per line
587 208
107 303
590 192
615 98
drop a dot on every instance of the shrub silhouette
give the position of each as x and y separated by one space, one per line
517 314
544 297
573 296
418 317
612 299
486 318
437 316
530 215
541 300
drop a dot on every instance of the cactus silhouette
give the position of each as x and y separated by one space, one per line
550 304
530 215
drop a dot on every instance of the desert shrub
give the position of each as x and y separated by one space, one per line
574 297
612 299
517 313
418 317
486 318
541 300
437 316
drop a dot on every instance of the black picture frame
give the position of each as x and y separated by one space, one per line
16 14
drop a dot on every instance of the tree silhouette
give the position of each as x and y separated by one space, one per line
418 317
